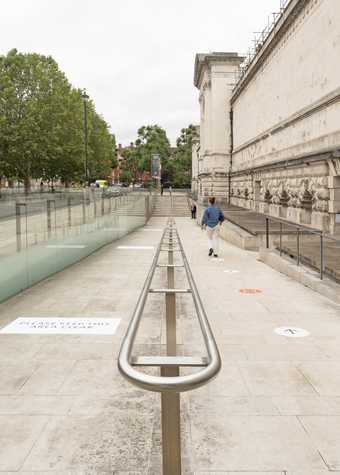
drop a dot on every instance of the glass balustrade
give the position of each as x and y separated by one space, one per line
39 237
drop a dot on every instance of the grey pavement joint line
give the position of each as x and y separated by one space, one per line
35 441
316 448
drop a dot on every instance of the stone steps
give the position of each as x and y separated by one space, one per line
178 206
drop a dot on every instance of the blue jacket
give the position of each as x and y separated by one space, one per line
212 216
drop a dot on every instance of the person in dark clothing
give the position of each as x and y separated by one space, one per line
193 211
162 189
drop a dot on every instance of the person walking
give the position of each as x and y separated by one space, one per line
211 220
162 189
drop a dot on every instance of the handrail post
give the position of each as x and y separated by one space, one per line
83 206
103 204
69 212
49 221
298 246
322 257
18 225
280 239
170 402
267 233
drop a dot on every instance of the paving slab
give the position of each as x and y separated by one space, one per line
325 377
251 443
273 409
17 437
94 442
325 434
275 378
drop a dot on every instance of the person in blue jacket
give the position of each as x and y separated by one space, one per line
212 218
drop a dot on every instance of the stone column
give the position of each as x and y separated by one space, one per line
215 75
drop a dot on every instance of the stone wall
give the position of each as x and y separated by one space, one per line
286 120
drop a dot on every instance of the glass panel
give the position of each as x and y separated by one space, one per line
52 233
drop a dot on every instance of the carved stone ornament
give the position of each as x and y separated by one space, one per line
267 196
307 200
284 198
246 193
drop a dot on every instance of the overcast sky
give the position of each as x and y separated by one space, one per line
134 57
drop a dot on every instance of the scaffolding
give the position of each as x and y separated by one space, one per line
260 37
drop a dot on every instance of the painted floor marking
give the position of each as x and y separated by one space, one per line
135 247
62 326
231 271
65 246
291 332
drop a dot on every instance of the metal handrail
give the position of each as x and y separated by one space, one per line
170 384
321 234
211 365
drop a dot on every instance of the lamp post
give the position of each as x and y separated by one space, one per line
86 98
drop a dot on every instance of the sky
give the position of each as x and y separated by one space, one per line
134 57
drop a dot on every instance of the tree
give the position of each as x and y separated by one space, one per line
42 124
152 139
181 161
101 145
133 164
33 95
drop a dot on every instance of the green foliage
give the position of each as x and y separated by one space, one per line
179 166
134 162
42 123
151 139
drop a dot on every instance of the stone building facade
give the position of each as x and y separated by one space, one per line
270 140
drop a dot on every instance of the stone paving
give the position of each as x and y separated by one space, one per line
273 409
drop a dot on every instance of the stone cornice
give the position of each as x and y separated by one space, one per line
206 59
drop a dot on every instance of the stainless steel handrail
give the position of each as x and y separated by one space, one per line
170 384
161 383
306 229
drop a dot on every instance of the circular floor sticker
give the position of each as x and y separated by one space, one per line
251 291
292 332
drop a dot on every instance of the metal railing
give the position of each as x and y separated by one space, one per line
260 38
300 230
170 383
